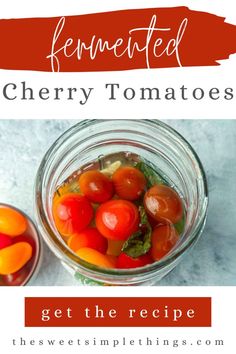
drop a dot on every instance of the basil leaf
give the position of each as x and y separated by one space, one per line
74 187
139 243
179 226
143 217
150 174
86 281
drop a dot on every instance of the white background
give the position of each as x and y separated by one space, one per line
223 320
99 106
11 304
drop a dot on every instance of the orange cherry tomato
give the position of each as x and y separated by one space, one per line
26 238
117 219
89 237
164 237
163 203
92 256
14 257
72 213
129 183
12 222
97 187
124 261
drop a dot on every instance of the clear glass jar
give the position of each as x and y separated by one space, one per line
153 141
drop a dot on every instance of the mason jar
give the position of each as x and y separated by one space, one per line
153 141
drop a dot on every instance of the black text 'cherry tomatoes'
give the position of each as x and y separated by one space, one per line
97 187
164 237
117 219
72 213
124 261
163 203
129 183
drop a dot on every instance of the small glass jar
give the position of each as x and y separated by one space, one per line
153 141
29 271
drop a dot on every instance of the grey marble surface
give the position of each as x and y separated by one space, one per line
23 144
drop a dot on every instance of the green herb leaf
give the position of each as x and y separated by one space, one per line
150 174
179 226
139 243
143 217
86 281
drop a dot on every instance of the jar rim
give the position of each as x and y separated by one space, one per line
85 266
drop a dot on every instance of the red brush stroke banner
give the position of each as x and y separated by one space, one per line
119 40
118 312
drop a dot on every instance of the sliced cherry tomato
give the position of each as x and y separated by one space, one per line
5 241
89 237
129 183
97 187
72 213
117 219
12 222
26 238
124 261
14 257
163 203
94 257
164 237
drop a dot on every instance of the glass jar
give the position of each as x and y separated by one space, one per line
26 274
153 141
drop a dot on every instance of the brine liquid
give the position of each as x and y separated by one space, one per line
108 164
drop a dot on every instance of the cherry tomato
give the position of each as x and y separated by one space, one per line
124 261
117 219
163 203
97 187
5 241
89 237
26 238
14 257
12 222
164 237
152 221
129 183
72 213
94 257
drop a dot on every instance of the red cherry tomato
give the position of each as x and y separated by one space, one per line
129 183
163 203
90 238
152 221
5 241
72 213
117 219
164 237
124 261
97 187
